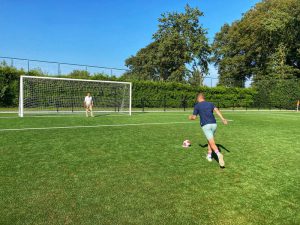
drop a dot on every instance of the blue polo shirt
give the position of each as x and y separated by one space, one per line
206 112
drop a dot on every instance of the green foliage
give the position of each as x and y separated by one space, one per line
36 72
252 46
79 74
9 85
180 40
276 93
156 94
102 76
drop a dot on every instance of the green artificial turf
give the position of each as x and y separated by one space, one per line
142 175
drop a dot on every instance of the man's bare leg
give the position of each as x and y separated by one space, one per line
87 112
214 147
91 110
209 151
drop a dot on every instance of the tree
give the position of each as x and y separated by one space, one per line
180 47
197 78
248 47
79 74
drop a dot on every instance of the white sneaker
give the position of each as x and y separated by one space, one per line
221 160
209 159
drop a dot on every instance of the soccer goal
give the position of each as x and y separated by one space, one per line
42 95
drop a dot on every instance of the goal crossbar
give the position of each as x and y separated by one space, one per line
74 79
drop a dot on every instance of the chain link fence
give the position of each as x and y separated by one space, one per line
53 68
271 94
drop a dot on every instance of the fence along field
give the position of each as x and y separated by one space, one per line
170 96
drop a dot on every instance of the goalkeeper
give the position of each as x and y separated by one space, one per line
209 125
88 105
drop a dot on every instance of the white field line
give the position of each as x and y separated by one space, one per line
95 126
155 111
174 113
58 116
11 111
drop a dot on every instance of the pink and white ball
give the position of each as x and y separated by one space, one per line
186 144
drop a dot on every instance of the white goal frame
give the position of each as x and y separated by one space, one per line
21 91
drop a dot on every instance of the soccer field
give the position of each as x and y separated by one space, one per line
117 169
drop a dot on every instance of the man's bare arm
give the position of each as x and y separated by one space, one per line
192 117
221 116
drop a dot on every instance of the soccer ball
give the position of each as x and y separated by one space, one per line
186 144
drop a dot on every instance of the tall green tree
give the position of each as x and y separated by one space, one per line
250 47
179 47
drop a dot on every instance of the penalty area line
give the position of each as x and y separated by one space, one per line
95 126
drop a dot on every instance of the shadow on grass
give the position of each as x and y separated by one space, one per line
214 155
220 147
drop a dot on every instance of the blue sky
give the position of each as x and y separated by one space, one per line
97 32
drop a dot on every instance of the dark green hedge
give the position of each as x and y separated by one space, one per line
265 94
158 94
9 86
277 93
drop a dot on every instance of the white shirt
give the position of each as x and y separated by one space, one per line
88 100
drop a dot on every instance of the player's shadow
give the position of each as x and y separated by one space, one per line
214 155
220 147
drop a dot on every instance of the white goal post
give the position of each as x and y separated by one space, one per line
40 95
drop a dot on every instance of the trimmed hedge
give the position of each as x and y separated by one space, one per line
265 94
171 94
9 86
145 93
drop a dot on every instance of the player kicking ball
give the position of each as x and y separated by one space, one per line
209 125
88 105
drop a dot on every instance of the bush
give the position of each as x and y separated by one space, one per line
171 94
9 85
277 93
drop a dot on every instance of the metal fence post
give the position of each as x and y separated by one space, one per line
58 68
72 103
28 66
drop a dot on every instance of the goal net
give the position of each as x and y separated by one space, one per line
63 95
